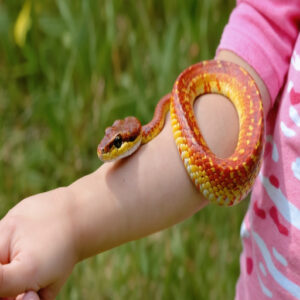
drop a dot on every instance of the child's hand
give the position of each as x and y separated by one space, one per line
36 246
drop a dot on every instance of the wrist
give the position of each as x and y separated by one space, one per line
78 214
66 200
75 222
97 217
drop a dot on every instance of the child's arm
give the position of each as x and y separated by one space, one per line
151 190
43 237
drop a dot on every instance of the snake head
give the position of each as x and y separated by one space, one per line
120 140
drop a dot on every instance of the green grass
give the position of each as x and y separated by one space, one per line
84 64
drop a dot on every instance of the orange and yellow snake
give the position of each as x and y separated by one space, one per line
224 181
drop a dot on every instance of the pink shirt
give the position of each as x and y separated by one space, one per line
265 33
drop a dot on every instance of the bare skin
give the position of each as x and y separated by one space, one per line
117 203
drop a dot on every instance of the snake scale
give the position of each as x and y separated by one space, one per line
224 181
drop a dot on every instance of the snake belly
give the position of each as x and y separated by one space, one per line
224 181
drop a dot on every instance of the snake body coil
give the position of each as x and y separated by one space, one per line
224 181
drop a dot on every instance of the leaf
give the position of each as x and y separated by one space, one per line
22 24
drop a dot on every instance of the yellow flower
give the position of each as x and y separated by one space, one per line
22 24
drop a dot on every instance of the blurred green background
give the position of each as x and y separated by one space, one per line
67 70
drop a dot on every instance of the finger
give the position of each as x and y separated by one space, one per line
28 296
15 278
5 238
47 294
31 296
50 292
20 297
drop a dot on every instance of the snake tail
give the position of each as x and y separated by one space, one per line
154 127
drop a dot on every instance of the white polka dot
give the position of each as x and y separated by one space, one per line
296 168
275 154
265 290
294 115
262 268
288 132
244 233
279 257
290 86
296 61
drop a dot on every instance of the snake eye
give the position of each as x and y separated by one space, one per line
118 141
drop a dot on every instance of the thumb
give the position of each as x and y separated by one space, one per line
15 278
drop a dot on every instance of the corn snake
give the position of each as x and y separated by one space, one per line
224 181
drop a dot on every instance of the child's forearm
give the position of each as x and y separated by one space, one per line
151 190
140 195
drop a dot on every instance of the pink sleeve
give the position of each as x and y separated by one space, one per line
263 33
